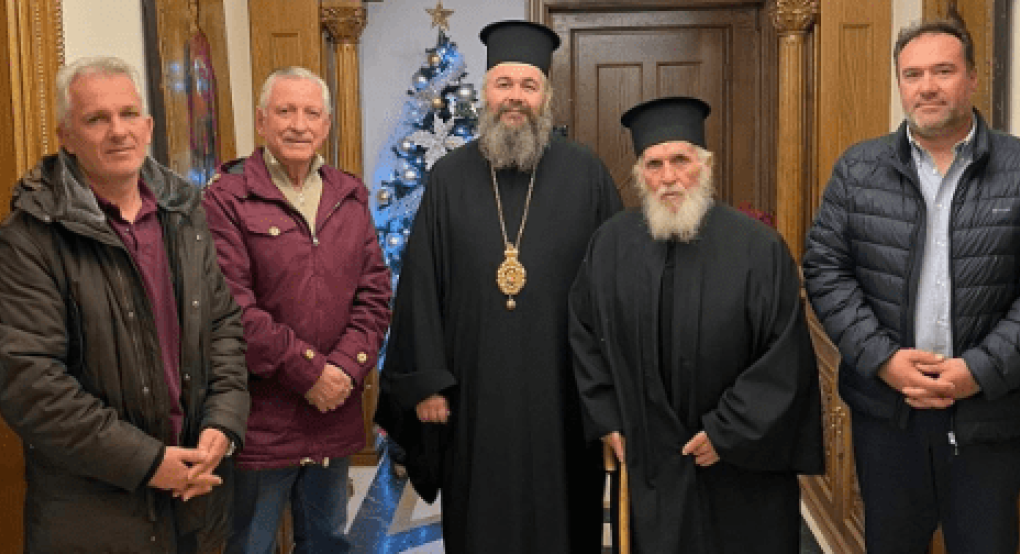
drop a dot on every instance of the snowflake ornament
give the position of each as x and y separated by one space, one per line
437 142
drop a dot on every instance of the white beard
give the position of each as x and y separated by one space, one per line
684 223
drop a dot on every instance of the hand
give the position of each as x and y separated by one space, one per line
952 371
331 390
433 409
914 374
701 448
172 473
616 441
214 443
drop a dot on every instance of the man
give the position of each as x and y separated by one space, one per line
121 356
478 355
693 358
298 248
911 266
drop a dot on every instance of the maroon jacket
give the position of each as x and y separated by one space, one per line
308 299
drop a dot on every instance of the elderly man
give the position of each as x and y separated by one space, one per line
693 357
913 267
121 356
478 363
299 251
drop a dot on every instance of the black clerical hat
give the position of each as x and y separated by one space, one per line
667 119
520 42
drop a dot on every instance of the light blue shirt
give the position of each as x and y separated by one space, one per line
933 330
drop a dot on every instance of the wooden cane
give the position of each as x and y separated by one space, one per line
623 514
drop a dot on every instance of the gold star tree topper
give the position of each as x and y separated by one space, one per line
440 16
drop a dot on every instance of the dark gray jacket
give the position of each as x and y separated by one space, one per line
863 262
81 378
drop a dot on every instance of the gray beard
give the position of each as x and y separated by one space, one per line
520 146
684 224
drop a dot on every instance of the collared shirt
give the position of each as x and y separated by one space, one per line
143 239
304 199
933 330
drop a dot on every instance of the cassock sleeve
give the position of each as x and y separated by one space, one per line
599 405
416 365
770 419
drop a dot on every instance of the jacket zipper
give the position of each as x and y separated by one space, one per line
315 236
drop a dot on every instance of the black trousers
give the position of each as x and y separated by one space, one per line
912 480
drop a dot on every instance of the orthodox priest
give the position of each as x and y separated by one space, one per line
692 355
477 384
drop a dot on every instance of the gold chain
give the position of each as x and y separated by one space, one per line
511 276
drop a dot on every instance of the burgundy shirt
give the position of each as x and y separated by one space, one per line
143 239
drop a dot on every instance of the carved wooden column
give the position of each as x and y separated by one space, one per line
344 20
793 20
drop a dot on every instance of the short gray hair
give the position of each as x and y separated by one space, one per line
101 65
293 72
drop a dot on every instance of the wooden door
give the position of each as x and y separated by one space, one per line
616 56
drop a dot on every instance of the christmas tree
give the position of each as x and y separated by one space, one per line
438 116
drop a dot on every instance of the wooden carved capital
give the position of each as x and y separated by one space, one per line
344 24
794 16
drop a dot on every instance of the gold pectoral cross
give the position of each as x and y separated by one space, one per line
511 276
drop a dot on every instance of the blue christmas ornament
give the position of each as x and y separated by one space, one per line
395 240
419 81
411 176
405 147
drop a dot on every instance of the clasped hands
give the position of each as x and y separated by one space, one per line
188 472
331 390
700 446
928 381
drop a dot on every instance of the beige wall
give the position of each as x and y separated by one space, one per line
104 27
239 58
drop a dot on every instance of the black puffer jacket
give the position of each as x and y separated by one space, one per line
81 378
862 268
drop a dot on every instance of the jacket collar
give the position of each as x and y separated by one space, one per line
55 189
900 147
259 183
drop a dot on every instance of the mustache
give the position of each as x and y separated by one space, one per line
518 106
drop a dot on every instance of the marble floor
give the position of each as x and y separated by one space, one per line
387 517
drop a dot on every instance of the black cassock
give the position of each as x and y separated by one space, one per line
740 367
516 473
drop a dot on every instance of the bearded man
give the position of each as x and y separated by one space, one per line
477 384
692 355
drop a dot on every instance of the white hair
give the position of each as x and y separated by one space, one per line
293 72
101 65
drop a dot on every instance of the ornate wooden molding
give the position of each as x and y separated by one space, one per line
794 16
343 23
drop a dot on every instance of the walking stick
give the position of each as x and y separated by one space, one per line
623 513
